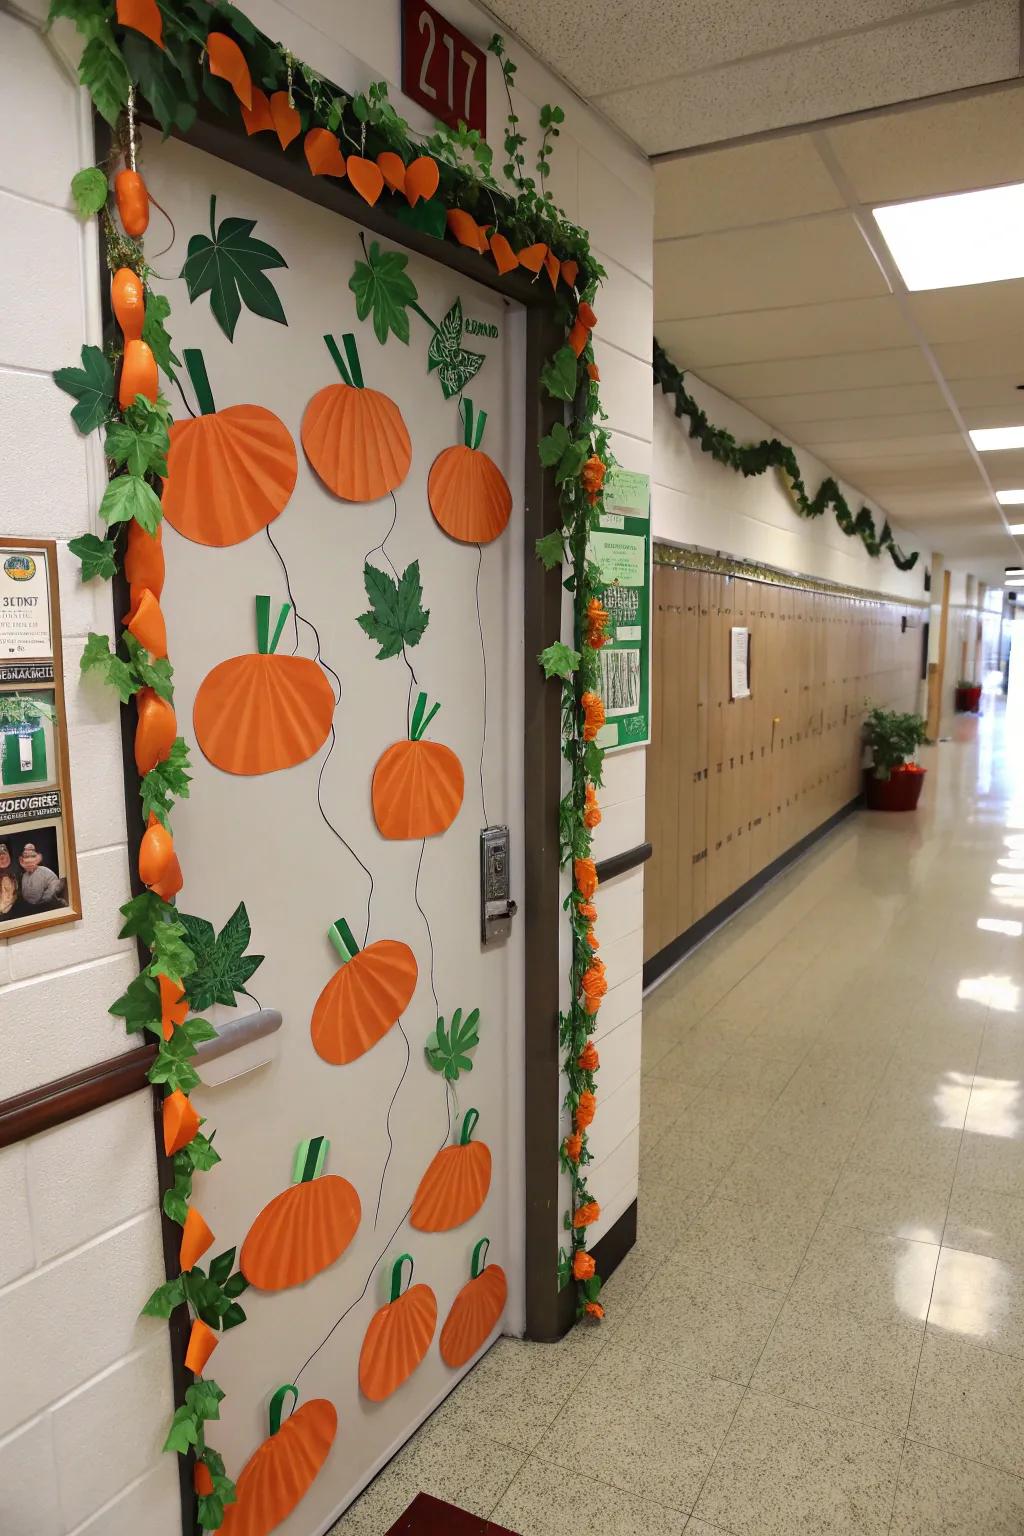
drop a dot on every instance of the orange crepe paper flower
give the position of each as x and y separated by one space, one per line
592 939
583 1266
597 624
593 715
588 1060
591 811
587 1215
587 911
585 873
586 1109
573 1146
592 476
593 373
595 1310
585 315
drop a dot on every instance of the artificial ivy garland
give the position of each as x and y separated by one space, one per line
770 453
168 63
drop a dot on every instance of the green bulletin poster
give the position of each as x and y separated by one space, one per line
622 549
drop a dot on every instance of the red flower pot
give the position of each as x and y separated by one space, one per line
968 700
899 792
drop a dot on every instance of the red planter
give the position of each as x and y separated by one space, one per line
899 792
968 700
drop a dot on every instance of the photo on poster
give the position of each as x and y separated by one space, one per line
28 748
33 859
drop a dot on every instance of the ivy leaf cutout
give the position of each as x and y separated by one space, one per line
117 674
222 966
397 616
103 72
230 266
89 190
559 375
165 783
156 335
139 1006
447 1051
92 386
98 556
130 497
454 365
559 660
383 287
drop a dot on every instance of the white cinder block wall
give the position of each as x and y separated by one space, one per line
87 1383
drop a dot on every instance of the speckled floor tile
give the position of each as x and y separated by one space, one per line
761 1244
970 1401
760 1177
822 1136
657 1427
911 1149
979 1300
546 1500
785 1470
992 1162
942 1493
517 1389
867 1275
876 1200
846 1367
981 1221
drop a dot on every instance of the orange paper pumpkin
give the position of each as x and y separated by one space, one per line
323 153
138 374
155 851
367 178
475 1310
132 200
230 472
228 61
144 560
417 785
180 1122
364 999
398 1337
146 623
422 179
258 714
258 118
128 301
142 16
285 118
455 1185
468 494
278 1475
173 1007
303 1229
392 168
155 730
355 437
195 1239
202 1342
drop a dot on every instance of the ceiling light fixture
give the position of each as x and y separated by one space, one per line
948 242
1010 498
991 439
1016 528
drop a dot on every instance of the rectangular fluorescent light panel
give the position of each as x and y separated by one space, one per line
990 439
1016 528
947 242
1010 498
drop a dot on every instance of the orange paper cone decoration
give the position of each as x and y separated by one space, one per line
202 1342
195 1239
180 1122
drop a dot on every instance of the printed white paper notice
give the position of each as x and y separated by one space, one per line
739 663
24 604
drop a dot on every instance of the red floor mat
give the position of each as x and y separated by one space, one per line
427 1516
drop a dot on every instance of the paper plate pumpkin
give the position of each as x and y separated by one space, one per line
364 999
417 785
230 472
475 1310
261 713
398 1337
354 437
468 494
455 1185
303 1229
278 1475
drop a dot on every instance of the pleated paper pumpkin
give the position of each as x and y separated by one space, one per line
355 437
455 1185
278 1475
261 713
417 785
398 1337
468 494
305 1228
475 1310
230 472
364 998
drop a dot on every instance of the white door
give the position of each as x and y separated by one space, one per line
300 845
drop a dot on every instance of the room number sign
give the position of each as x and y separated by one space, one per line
441 68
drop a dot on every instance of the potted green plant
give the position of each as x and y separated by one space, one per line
968 697
894 781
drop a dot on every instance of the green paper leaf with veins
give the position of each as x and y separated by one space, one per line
447 1050
551 448
167 89
89 16
202 1153
559 375
235 1285
446 354
428 215
197 1030
155 333
152 672
92 386
139 1005
397 617
175 1206
383 288
232 1317
164 1299
89 190
130 497
222 967
183 1431
98 556
103 72
99 658
140 449
559 660
210 1510
204 1397
141 916
174 1074
171 952
230 266
221 1266
551 550
165 783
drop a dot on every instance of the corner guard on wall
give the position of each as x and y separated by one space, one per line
39 1109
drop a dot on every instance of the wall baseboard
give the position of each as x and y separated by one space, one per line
666 958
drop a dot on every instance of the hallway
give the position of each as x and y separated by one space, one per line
821 1328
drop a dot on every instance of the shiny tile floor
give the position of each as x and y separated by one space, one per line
821 1329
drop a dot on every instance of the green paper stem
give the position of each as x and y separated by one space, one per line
266 644
420 720
479 1258
343 939
310 1157
396 1274
339 361
469 1121
277 1404
422 313
196 366
351 352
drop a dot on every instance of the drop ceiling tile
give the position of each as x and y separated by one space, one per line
805 330
1005 469
997 391
845 404
981 359
925 151
1009 415
749 184
804 261
910 503
921 474
798 376
874 450
976 311
873 429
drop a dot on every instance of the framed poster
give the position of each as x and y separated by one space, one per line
739 662
38 869
622 547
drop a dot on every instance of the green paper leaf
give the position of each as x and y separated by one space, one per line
559 660
164 1299
173 1074
98 556
99 658
222 967
139 1005
183 1431
382 287
155 333
165 783
235 1285
551 448
171 954
103 72
156 673
202 1153
551 549
221 1266
89 16
197 1030
397 617
230 267
447 1051
168 90
92 386
140 440
210 1509
89 190
429 215
129 496
141 916
559 375
233 1316
175 1204
446 354
204 1397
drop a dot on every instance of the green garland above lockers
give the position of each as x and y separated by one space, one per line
770 453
